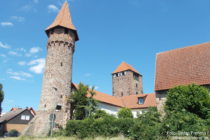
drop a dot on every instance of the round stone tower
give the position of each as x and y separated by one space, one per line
54 109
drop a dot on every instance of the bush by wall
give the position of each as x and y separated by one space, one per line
110 126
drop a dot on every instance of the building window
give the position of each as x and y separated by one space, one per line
121 93
66 31
140 100
58 107
136 77
61 64
120 74
136 85
136 92
25 117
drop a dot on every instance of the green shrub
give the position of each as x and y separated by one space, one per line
80 128
125 113
187 110
13 133
147 126
105 127
184 122
124 125
99 114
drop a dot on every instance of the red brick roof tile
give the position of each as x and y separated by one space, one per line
123 67
183 66
63 19
130 101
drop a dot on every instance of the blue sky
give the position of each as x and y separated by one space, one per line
110 31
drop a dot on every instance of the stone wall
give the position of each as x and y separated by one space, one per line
56 86
125 84
161 99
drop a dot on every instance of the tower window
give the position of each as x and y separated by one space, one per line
61 64
55 88
61 96
136 85
58 107
136 77
140 100
66 31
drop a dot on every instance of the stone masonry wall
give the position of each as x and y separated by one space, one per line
125 85
56 86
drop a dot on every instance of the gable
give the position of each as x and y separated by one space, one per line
19 119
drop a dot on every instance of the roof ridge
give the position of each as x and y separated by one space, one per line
123 67
186 47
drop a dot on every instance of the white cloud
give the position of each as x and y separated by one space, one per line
52 8
7 24
37 66
3 55
18 18
17 78
35 50
5 46
19 74
21 63
14 53
32 51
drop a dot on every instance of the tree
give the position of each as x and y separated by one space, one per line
82 102
193 98
187 110
125 113
1 97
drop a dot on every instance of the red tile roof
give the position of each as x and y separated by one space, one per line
125 101
183 66
131 101
123 67
63 19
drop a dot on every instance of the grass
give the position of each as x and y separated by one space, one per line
64 138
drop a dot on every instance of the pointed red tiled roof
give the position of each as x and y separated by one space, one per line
123 67
183 66
63 19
